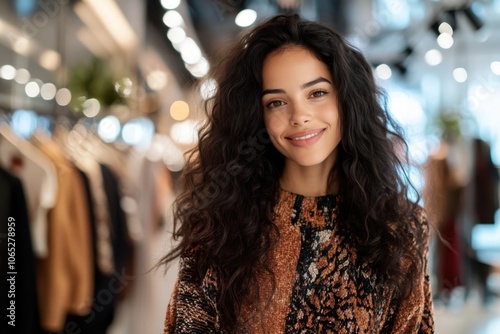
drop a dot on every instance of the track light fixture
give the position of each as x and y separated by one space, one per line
402 69
449 17
408 51
474 20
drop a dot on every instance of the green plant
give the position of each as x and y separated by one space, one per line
448 124
93 80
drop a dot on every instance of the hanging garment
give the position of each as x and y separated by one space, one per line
66 277
487 183
107 287
13 204
119 232
104 249
443 197
39 179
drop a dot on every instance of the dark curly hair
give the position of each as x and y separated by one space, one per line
231 180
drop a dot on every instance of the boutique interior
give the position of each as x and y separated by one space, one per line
101 99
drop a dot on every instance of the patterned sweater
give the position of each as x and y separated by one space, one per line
320 287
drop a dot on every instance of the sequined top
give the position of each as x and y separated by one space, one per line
321 287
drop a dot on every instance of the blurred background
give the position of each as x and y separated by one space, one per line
99 100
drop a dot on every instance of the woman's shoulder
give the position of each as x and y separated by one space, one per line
419 217
418 224
191 254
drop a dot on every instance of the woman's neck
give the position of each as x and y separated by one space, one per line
308 181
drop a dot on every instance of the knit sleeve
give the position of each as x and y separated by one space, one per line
414 315
427 316
192 306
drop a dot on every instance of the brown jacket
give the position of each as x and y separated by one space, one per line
65 278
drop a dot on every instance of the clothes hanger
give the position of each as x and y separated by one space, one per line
41 193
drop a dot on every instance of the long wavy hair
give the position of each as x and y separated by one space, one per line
230 184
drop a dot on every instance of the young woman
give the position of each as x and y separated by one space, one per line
294 216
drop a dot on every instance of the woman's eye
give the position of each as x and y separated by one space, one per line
275 104
318 93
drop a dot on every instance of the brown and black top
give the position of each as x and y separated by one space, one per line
320 286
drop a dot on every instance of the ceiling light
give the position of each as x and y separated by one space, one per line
48 91
495 67
91 107
170 4
63 97
171 155
173 19
445 27
445 40
246 17
208 88
22 76
448 17
7 72
95 38
383 71
115 22
176 35
433 57
109 128
185 132
179 110
190 52
32 89
21 45
50 60
156 79
460 74
138 132
200 69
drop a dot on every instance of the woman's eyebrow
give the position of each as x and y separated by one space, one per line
303 86
315 81
272 91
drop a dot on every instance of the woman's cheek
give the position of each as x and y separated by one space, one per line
275 125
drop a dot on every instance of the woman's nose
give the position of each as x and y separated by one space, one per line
299 115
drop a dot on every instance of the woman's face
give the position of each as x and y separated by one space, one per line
300 107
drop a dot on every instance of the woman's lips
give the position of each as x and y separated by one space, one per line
305 138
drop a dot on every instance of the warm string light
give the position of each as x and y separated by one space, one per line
190 52
246 18
35 87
